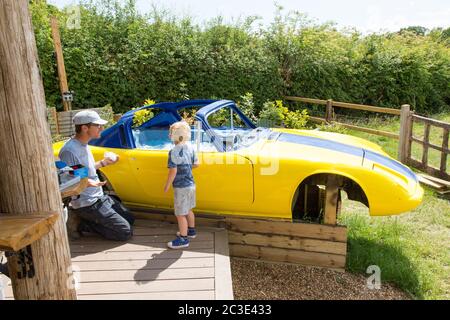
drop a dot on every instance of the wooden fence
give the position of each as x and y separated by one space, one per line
405 136
423 164
61 122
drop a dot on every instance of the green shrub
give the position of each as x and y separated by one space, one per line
274 114
332 127
141 116
247 106
119 56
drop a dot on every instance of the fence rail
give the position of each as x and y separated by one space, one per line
423 165
405 136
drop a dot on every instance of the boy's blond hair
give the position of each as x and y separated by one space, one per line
180 132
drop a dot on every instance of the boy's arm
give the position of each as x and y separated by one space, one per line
195 162
170 178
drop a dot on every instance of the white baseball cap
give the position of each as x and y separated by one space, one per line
88 116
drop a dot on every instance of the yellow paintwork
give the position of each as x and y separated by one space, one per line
259 180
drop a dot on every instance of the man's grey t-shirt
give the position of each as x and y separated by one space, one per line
182 157
75 152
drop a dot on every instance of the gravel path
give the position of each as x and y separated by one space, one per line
269 281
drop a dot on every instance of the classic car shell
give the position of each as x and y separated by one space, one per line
258 180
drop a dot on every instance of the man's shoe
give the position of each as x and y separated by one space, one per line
179 243
73 223
191 233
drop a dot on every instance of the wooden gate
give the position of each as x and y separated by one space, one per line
423 164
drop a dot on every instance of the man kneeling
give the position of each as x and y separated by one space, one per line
97 212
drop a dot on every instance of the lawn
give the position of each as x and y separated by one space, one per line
412 249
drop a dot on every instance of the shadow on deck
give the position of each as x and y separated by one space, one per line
144 268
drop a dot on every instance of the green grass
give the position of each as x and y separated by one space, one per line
412 249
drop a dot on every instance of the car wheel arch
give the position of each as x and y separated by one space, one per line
107 188
354 189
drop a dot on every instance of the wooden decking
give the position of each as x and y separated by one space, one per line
144 268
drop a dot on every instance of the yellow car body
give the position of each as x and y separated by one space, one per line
263 179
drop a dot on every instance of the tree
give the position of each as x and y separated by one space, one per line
28 181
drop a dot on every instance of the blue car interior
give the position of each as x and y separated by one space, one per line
153 134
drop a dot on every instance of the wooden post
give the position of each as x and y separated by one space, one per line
55 117
329 111
28 181
404 143
60 63
445 137
331 200
426 140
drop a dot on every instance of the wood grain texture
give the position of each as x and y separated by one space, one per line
28 181
18 231
304 230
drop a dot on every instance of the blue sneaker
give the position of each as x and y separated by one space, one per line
178 243
191 233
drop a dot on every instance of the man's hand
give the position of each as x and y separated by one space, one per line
93 183
107 161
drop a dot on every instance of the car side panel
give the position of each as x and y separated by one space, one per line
223 182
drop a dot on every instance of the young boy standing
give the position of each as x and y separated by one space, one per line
182 159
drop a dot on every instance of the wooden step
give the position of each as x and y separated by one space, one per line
424 180
436 180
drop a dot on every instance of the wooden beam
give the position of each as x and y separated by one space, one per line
19 231
288 256
436 123
437 180
304 230
60 62
307 100
331 200
287 242
366 108
223 281
444 155
404 143
426 142
429 169
329 111
429 145
75 189
369 130
424 180
26 144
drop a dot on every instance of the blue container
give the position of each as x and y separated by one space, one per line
81 172
60 164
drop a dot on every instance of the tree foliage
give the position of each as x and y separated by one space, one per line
120 57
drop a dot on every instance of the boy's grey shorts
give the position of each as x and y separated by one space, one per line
184 200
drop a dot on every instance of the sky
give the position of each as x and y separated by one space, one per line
364 15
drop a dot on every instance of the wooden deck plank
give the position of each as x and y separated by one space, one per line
172 295
144 275
130 247
209 236
151 286
223 279
145 255
144 268
5 287
144 264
